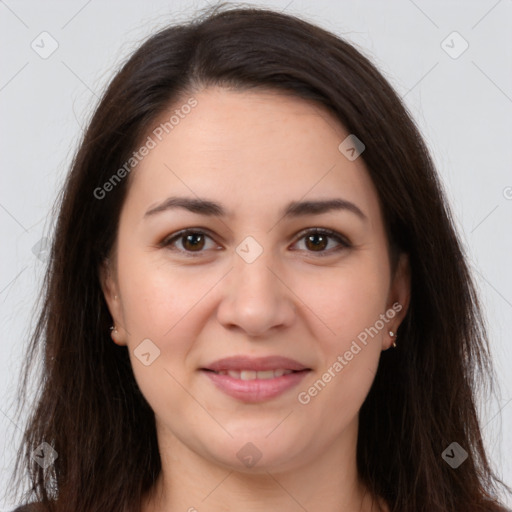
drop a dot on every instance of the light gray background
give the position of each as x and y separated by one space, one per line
463 107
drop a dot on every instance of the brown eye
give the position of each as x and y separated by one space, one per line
189 242
193 242
318 240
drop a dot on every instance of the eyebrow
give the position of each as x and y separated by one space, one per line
292 210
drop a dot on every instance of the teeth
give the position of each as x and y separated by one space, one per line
245 375
251 374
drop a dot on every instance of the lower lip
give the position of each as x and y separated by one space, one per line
257 390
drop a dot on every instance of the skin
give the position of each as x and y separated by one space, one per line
253 152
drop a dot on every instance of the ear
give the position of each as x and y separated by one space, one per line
399 297
108 283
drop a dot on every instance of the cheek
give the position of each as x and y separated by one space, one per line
166 305
157 296
349 302
348 298
349 357
158 309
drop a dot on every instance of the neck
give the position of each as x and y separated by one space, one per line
189 482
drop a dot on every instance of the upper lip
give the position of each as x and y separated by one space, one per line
255 364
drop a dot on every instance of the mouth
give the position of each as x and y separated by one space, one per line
255 375
250 386
248 364
255 379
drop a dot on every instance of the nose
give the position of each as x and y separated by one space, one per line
256 298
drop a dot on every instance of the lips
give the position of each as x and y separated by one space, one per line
253 364
255 390
252 374
253 380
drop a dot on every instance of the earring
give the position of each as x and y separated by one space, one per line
393 335
113 329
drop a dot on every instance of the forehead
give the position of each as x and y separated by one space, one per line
249 149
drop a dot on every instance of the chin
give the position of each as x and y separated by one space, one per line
258 453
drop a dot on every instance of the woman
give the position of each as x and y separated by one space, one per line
256 296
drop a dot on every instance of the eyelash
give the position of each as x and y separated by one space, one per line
180 235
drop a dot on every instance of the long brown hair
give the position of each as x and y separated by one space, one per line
89 407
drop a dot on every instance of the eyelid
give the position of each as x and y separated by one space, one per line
324 231
343 241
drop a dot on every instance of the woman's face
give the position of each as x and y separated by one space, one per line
253 280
